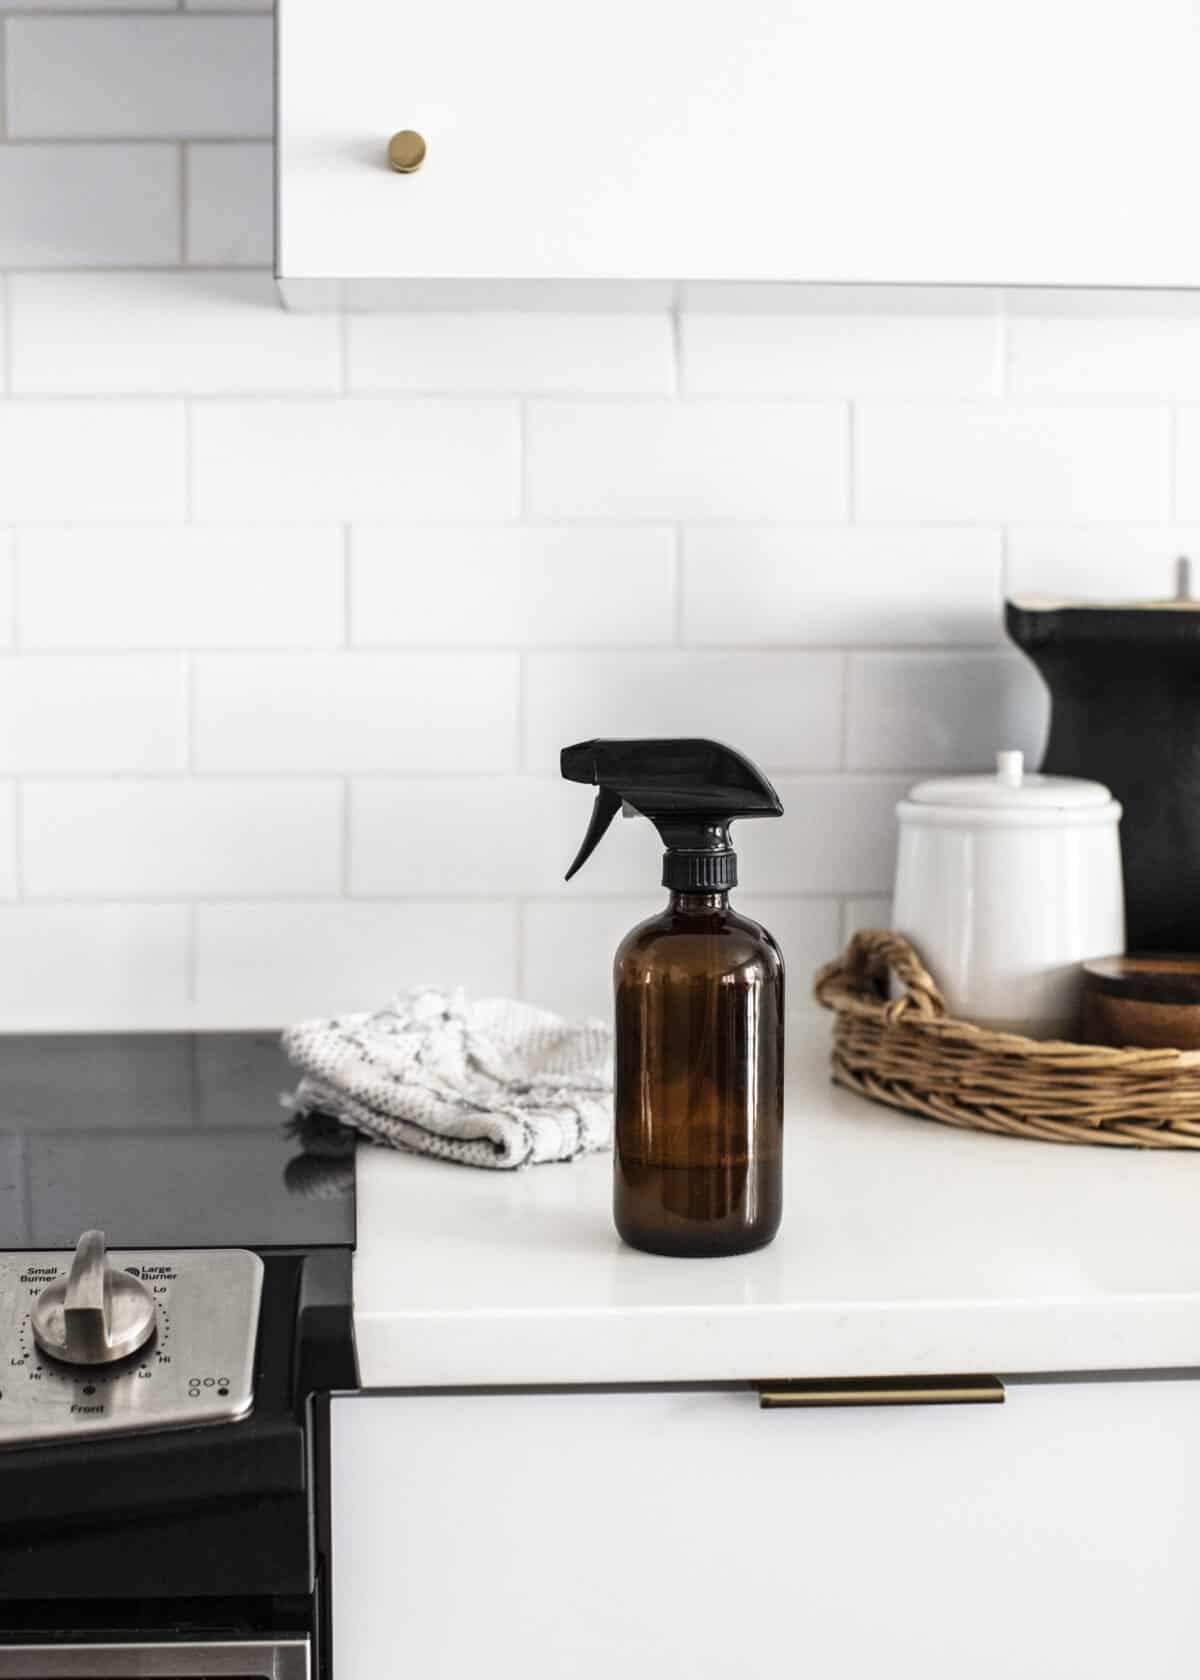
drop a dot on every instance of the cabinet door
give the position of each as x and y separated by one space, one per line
641 1535
1045 141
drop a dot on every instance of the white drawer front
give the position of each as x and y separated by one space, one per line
634 1536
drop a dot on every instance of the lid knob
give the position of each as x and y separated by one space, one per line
1010 768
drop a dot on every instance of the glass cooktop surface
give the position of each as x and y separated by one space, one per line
162 1140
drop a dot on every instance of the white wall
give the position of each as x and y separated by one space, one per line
296 611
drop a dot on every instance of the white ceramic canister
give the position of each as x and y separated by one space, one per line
1005 884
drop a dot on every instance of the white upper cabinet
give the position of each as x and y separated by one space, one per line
588 154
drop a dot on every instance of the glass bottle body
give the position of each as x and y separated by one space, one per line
698 1156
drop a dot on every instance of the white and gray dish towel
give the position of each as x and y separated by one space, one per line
490 1083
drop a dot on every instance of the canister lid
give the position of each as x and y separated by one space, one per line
1012 788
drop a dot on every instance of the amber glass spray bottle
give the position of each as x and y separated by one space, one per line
699 1007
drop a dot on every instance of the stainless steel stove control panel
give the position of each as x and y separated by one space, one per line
189 1316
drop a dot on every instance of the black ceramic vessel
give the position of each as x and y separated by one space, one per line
1125 710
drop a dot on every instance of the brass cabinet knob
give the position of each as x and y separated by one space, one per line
406 151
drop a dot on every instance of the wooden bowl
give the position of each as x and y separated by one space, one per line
1149 1002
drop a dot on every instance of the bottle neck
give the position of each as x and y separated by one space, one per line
699 873
698 903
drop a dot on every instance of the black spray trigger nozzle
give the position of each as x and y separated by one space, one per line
604 810
690 789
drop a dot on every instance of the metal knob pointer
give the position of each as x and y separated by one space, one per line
94 1315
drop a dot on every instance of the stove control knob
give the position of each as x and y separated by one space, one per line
94 1315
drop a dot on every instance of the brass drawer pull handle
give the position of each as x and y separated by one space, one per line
406 151
884 1391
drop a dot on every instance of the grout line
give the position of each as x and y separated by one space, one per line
581 651
327 776
270 900
676 350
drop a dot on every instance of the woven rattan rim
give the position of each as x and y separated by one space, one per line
911 1054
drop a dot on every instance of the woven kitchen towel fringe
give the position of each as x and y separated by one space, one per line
490 1083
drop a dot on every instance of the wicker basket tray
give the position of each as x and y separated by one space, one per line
911 1054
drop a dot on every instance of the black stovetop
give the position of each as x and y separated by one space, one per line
161 1140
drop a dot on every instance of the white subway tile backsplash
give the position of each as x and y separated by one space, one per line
8 566
420 837
67 206
1112 562
96 714
271 963
356 711
230 209
139 77
759 584
807 931
94 966
1187 463
936 711
837 835
180 586
619 460
93 460
783 709
1098 344
525 586
1016 461
482 537
182 838
310 460
862 915
144 333
834 340
537 352
567 949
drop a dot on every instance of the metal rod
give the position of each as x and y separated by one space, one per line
883 1391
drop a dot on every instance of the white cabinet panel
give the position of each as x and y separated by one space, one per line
639 145
645 1534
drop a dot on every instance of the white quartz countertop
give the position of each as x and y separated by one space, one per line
907 1248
